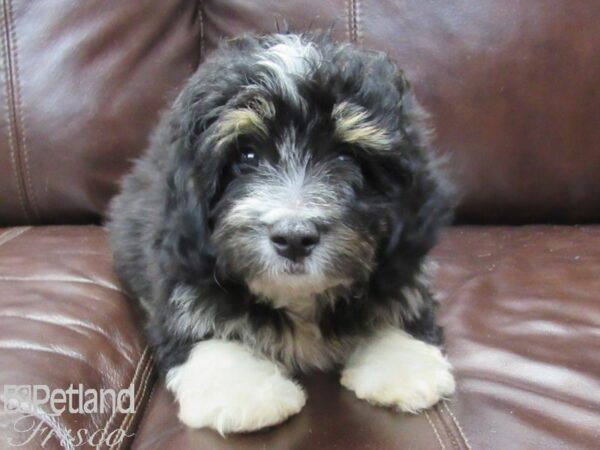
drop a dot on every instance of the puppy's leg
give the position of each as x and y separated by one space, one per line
224 386
395 369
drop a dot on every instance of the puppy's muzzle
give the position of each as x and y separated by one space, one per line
294 239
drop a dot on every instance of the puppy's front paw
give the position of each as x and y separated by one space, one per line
224 386
397 370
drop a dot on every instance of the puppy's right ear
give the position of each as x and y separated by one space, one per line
193 166
191 175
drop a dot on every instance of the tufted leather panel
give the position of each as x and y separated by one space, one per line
81 86
64 320
521 311
512 87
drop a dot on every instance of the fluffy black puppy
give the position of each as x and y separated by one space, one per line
279 222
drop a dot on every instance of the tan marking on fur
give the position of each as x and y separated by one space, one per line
263 107
354 127
238 122
246 120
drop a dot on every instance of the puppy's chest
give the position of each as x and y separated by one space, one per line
302 344
306 331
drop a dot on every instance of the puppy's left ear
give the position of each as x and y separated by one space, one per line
430 198
420 199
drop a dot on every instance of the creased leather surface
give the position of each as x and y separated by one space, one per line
81 86
521 309
64 320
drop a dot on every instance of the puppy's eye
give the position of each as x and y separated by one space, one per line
345 157
249 158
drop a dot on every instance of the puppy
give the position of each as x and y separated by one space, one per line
279 222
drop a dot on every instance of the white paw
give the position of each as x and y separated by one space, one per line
395 369
224 386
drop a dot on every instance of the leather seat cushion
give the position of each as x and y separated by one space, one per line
521 312
519 305
64 320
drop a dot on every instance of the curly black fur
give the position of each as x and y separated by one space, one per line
174 252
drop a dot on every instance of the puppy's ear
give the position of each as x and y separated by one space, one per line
430 198
191 176
420 198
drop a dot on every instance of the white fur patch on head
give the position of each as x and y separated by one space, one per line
288 192
290 57
395 369
225 386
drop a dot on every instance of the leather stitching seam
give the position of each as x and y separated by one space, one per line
19 115
141 366
201 20
451 436
435 431
114 412
129 418
148 402
349 19
9 112
457 424
354 37
356 21
140 395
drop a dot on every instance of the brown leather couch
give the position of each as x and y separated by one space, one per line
514 90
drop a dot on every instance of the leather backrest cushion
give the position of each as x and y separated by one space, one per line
512 87
82 84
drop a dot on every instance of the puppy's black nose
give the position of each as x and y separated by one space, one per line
294 239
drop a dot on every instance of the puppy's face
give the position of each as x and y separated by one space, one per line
292 220
318 171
